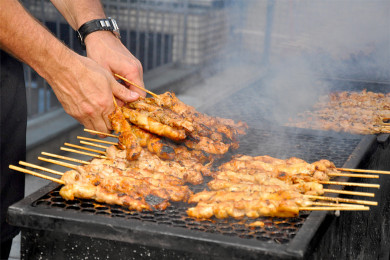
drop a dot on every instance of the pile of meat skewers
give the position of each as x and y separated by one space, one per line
352 112
165 146
173 130
260 186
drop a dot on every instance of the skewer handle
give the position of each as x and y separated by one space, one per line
85 148
68 165
344 183
99 133
364 202
94 145
363 170
83 153
65 158
40 168
333 208
135 85
96 140
347 192
16 168
355 175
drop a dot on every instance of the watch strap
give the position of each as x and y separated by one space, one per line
108 24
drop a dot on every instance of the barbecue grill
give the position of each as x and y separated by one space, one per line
55 228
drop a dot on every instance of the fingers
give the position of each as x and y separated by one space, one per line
123 93
98 123
132 70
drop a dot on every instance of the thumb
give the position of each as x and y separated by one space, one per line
123 93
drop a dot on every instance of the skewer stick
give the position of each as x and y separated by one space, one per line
331 204
332 208
368 176
95 145
65 158
99 133
40 168
68 165
364 202
135 85
363 170
347 192
115 104
85 148
84 153
16 168
344 183
96 140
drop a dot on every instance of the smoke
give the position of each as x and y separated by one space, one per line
349 39
311 41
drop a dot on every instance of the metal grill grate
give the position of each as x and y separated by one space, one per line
275 230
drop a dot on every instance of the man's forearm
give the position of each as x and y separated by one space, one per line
26 39
79 12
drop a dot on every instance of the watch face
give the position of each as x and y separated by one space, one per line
116 28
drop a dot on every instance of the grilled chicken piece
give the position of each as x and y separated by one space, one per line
150 119
79 187
260 186
163 115
351 112
142 181
101 177
145 122
127 138
152 162
293 166
223 204
208 145
217 129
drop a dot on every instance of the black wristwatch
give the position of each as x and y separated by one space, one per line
108 24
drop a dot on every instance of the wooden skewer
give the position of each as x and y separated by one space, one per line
16 168
332 208
40 168
96 140
364 202
135 85
347 192
344 183
331 204
65 158
368 176
363 170
99 133
68 165
115 104
85 148
84 153
95 145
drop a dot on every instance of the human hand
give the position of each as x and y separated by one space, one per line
86 89
109 52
